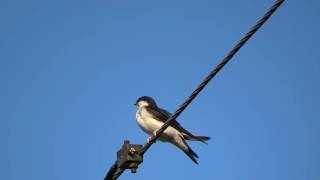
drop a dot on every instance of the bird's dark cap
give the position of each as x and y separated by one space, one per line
148 99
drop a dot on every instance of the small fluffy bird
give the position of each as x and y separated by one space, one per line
150 118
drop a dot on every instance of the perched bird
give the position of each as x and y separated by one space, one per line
150 118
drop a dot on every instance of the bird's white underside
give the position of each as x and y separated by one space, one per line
149 125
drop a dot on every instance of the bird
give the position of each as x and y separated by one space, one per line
150 118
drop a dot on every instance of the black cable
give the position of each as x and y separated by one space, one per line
234 50
111 172
114 174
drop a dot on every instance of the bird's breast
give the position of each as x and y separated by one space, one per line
149 124
146 122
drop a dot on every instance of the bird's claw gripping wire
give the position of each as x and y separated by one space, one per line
149 139
154 134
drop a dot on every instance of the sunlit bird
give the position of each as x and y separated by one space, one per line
150 118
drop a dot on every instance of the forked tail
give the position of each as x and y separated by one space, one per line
197 138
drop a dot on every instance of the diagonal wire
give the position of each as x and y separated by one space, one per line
112 172
115 172
205 81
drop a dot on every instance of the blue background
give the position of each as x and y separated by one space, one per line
70 72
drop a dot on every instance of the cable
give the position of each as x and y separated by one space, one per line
205 81
114 174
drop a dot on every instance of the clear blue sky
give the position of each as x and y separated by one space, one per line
70 72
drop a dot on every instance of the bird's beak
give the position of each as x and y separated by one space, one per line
135 104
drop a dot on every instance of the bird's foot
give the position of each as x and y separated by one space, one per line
155 133
149 139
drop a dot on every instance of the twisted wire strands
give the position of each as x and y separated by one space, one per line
115 172
228 57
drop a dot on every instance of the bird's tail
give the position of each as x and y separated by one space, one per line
182 144
192 155
197 138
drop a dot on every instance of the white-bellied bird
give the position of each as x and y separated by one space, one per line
150 118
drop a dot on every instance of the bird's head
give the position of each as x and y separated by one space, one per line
146 101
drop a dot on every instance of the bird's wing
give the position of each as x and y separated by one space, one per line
163 115
158 114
